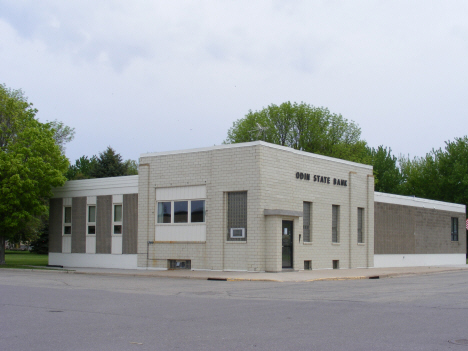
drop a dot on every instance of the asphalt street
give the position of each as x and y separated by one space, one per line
52 310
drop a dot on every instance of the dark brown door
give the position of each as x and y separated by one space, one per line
287 239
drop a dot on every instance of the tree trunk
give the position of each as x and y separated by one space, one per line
2 250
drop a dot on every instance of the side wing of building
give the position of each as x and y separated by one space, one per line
94 223
411 231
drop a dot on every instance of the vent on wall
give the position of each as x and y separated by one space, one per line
179 264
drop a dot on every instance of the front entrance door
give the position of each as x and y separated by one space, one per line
287 239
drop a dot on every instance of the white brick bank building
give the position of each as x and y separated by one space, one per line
248 207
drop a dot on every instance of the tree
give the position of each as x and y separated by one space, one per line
62 134
302 127
81 169
388 178
108 164
31 163
453 171
132 167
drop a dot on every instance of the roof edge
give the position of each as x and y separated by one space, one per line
255 143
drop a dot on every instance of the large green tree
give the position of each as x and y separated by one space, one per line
388 178
441 175
302 127
108 164
31 163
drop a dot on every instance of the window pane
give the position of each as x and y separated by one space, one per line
454 229
198 211
180 211
67 229
164 212
306 221
360 223
92 214
67 216
335 216
117 229
117 213
91 229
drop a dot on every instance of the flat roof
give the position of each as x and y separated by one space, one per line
98 186
417 202
255 143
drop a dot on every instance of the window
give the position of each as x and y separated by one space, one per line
360 223
178 211
336 264
164 212
307 207
67 215
198 211
237 216
92 220
335 223
117 219
454 229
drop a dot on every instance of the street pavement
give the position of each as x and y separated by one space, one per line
285 276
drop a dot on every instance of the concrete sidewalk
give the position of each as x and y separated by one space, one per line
286 276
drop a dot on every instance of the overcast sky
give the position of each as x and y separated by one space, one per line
148 76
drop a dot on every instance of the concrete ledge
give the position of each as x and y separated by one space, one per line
418 260
93 260
279 212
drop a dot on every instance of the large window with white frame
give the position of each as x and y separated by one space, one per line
181 211
91 220
67 220
117 219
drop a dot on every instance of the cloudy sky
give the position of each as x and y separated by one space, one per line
148 76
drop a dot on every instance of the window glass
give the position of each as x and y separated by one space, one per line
67 229
180 211
91 229
335 219
67 216
117 213
360 225
306 221
91 214
454 229
197 211
117 229
164 212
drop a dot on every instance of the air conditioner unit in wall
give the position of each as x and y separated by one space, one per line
237 233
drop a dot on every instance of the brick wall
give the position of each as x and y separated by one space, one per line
403 229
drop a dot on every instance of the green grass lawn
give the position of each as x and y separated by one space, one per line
24 259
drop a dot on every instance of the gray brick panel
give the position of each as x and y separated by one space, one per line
130 224
103 224
55 225
78 225
403 229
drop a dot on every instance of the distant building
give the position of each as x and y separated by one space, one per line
248 207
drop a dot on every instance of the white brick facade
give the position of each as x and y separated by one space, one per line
268 173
